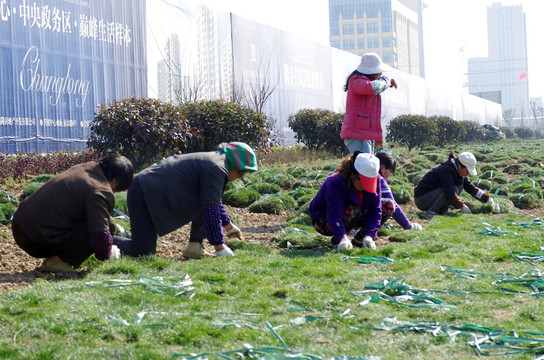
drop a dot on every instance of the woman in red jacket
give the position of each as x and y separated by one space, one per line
362 121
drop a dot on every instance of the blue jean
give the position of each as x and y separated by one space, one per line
365 146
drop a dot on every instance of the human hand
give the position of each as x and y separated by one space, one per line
465 209
345 243
416 226
115 253
393 83
234 231
494 206
369 243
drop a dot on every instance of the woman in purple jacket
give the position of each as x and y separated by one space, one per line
362 121
349 199
390 208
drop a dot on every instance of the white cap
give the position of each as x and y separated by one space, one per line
368 167
469 161
371 63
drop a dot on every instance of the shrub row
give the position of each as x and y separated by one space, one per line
418 131
23 165
146 130
319 129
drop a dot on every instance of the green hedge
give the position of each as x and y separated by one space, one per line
146 130
318 129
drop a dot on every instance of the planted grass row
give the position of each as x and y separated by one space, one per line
511 171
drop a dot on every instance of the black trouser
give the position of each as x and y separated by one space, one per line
144 234
74 247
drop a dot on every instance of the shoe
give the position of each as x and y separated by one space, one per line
57 266
195 250
225 252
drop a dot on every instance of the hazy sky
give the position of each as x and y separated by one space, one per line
454 30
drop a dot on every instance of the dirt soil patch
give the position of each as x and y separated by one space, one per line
18 269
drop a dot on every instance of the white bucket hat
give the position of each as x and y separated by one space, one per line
469 161
371 63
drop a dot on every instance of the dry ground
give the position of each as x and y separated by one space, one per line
18 269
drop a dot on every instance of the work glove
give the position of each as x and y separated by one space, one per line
345 243
115 253
235 232
494 206
416 226
369 243
465 209
225 252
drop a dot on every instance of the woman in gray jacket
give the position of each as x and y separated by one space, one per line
181 189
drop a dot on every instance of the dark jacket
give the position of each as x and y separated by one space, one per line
176 188
447 177
334 196
80 195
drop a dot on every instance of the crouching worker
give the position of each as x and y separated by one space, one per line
347 200
390 208
68 219
439 189
184 189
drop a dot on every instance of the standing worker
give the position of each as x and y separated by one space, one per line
362 126
181 189
439 189
68 219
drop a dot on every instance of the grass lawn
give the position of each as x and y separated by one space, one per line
464 286
290 300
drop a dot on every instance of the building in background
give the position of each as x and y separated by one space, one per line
391 28
502 77
169 71
208 52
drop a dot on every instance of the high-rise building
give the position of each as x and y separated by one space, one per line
169 71
391 28
503 75
208 52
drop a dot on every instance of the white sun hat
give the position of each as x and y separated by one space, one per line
371 63
469 161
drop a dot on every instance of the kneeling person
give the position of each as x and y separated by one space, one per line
439 189
68 219
184 189
347 200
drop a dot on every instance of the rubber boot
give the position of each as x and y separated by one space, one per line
195 250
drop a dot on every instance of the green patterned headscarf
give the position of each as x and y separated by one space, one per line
239 156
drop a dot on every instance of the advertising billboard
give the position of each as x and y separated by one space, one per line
59 60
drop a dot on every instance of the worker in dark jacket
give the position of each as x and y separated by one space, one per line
68 219
184 189
439 189
347 200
